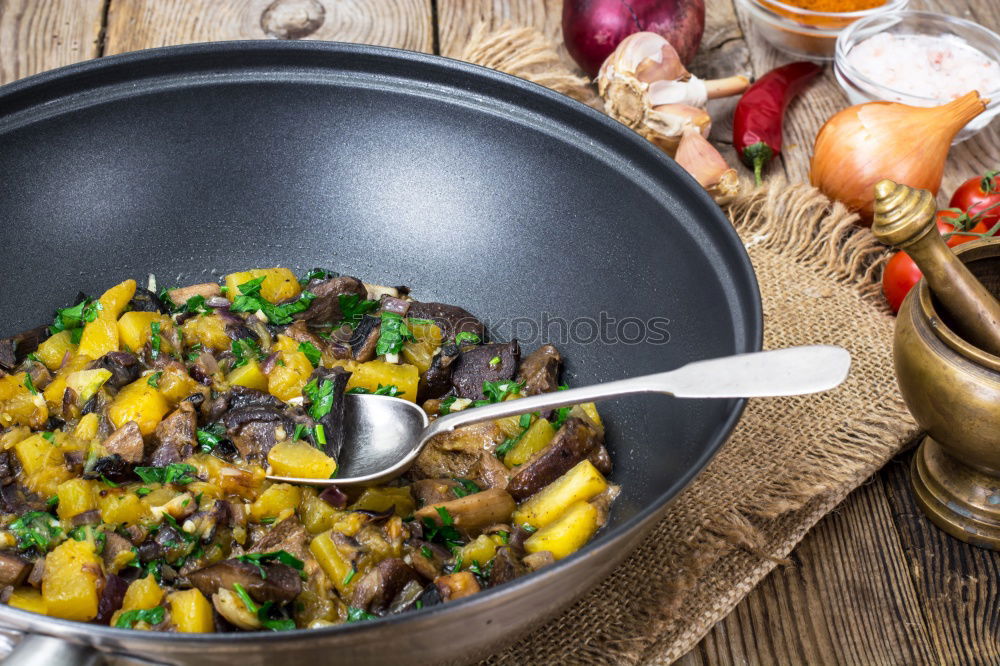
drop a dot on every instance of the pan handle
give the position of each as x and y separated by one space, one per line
42 650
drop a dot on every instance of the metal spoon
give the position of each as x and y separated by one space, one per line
383 435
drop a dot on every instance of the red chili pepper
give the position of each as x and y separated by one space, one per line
759 113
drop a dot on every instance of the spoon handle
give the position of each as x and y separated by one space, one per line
791 371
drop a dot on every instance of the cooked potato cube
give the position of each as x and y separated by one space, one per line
567 534
316 514
86 429
99 338
331 560
290 374
377 373
141 403
69 584
420 352
479 551
118 506
75 497
29 599
582 482
18 406
248 375
53 350
280 284
385 498
191 612
176 384
301 459
135 328
535 438
279 499
114 300
208 331
35 453
142 594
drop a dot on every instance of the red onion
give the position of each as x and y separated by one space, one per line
593 28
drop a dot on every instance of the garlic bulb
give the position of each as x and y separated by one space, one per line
646 87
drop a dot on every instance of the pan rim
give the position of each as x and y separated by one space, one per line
43 90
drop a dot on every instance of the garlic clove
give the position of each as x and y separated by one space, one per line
692 92
706 165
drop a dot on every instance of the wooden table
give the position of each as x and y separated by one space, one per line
874 583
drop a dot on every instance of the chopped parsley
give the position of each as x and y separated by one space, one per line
49 437
108 482
505 446
495 361
320 433
393 334
246 350
353 308
154 379
72 319
465 487
465 337
504 536
150 616
36 529
427 552
524 421
300 429
312 353
498 391
316 274
259 559
30 385
391 390
263 612
350 576
446 533
562 413
210 437
196 304
321 396
179 473
530 529
154 339
143 491
445 407
250 300
359 615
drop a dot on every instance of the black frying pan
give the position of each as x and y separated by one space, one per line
472 187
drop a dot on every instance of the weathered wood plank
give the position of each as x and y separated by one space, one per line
957 584
848 598
457 18
36 36
140 24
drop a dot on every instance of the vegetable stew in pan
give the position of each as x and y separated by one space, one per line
137 429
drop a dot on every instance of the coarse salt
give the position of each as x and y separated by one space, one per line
942 67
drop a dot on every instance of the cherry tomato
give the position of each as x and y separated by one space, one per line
949 218
901 273
980 196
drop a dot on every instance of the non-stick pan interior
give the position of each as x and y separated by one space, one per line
470 187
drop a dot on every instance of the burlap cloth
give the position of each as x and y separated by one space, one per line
790 460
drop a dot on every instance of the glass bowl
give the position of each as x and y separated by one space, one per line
861 89
804 33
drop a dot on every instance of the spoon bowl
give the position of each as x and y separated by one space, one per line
384 435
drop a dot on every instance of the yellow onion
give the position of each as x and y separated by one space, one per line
863 144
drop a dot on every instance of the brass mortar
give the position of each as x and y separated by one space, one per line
952 388
950 384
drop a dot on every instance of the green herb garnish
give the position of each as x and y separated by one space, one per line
73 318
392 335
154 339
391 390
321 396
465 487
37 529
250 300
353 308
30 385
359 615
312 353
259 559
179 473
465 337
150 616
210 437
154 379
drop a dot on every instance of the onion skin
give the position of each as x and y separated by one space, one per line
593 28
864 144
